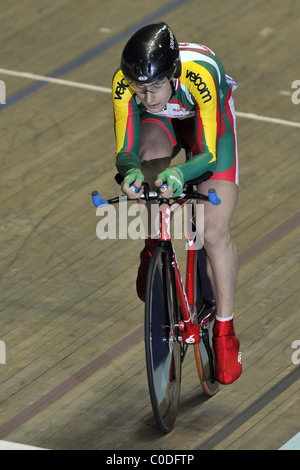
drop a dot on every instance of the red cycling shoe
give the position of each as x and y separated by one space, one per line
227 352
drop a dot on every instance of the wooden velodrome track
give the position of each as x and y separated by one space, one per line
72 325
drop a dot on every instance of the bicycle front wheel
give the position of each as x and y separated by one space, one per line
163 348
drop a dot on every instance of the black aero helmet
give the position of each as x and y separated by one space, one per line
151 54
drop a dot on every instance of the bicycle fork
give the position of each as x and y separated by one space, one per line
189 329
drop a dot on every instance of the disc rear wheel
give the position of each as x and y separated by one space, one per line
206 312
205 357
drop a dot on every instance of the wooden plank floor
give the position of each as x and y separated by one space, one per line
75 375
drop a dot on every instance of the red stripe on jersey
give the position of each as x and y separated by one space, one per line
199 132
177 101
218 116
230 174
230 117
130 129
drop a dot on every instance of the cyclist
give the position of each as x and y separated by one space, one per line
167 96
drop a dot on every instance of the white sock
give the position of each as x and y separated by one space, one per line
224 319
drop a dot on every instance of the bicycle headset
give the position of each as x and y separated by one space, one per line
151 54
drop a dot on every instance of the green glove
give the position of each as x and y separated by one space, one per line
131 176
174 178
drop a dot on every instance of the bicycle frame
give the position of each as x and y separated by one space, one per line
190 329
176 316
186 296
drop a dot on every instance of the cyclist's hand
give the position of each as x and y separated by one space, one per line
135 177
174 179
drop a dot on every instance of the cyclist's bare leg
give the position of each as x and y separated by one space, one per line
155 153
223 269
155 150
220 248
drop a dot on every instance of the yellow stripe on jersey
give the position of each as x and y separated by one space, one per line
121 99
204 90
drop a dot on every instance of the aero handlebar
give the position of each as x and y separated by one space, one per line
158 196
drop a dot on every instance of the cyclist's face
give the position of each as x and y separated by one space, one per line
154 96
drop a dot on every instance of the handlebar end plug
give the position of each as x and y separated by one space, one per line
97 200
213 197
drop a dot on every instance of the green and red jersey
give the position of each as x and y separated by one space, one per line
202 91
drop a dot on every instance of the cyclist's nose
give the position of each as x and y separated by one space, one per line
149 97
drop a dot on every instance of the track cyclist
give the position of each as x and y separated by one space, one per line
168 96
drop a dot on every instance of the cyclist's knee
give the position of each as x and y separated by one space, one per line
155 143
216 235
151 154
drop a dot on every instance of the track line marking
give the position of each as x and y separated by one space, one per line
251 410
130 341
7 445
72 382
292 444
257 117
58 81
267 240
94 52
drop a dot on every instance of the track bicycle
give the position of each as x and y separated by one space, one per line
176 315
